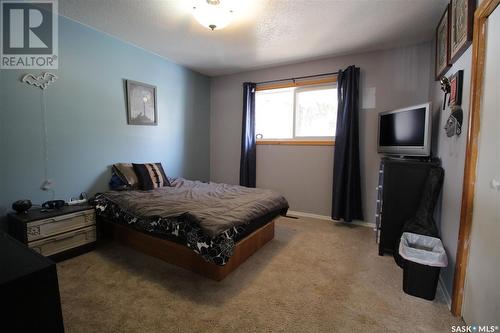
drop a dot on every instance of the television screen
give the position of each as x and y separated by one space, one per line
405 128
405 132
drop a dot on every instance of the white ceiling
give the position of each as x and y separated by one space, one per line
264 32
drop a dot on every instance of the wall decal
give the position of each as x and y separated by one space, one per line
41 81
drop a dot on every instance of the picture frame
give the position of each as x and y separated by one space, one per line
141 103
456 82
443 45
461 26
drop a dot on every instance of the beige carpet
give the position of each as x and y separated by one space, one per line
315 276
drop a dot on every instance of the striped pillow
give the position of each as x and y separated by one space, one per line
125 171
151 176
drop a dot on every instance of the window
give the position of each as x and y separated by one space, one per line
274 113
296 114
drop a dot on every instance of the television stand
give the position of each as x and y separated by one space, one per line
413 158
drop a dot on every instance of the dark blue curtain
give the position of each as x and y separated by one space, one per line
346 196
248 152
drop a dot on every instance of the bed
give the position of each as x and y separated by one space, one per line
208 228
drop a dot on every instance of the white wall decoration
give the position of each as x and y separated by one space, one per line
42 81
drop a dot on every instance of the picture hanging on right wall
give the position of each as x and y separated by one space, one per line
456 88
443 45
462 18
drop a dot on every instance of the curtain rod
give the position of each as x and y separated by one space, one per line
297 78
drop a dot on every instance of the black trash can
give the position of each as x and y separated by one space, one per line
420 280
423 258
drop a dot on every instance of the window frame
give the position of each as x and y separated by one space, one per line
327 83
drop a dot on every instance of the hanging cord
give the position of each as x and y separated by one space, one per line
42 81
45 144
45 141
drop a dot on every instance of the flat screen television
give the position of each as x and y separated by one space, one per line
405 132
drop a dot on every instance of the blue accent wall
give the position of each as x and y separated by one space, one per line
87 122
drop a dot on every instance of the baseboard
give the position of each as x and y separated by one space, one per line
447 297
328 218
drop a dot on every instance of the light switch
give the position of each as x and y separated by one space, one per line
495 184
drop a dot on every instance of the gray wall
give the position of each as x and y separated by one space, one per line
389 79
451 151
87 125
304 174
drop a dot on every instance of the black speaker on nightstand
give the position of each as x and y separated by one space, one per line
21 206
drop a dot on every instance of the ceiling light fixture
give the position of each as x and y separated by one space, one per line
213 14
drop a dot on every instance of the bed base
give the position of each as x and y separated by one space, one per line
186 258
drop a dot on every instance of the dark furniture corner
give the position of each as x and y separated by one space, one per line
401 185
29 290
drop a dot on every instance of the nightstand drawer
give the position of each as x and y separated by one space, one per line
63 242
59 224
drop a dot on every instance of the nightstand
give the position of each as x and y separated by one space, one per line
58 234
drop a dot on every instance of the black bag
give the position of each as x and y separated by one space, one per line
423 222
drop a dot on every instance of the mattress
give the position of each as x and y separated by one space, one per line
208 218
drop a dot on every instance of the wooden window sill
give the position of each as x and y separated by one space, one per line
297 142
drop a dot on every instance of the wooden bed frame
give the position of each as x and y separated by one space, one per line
185 257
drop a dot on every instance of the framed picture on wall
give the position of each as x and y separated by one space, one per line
442 45
462 19
141 103
456 88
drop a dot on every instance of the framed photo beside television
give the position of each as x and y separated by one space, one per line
442 45
461 23
141 103
456 88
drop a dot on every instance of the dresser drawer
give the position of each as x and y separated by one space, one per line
63 242
59 224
